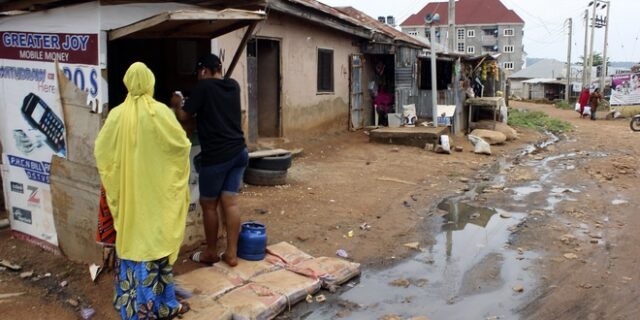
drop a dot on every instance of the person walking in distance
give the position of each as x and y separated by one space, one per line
594 100
215 105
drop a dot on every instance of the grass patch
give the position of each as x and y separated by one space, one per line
564 105
537 120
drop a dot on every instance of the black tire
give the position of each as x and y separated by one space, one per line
635 123
274 163
259 177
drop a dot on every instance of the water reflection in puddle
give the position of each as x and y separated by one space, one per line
468 274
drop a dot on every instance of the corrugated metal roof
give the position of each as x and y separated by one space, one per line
467 12
383 28
547 68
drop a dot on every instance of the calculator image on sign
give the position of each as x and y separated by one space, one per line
40 116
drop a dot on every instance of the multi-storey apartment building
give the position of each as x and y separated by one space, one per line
481 26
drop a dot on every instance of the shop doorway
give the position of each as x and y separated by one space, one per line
171 60
263 73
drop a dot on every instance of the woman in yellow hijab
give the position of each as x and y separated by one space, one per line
142 154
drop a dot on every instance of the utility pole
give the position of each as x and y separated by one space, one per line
453 35
586 44
593 33
604 68
567 89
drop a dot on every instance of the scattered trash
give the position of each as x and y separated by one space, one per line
309 298
10 266
395 150
594 241
505 215
94 271
406 204
321 298
64 283
261 211
26 275
87 313
474 216
332 201
401 282
350 234
518 288
342 253
73 302
365 226
413 245
595 236
586 285
47 275
520 251
352 284
421 283
570 256
626 279
463 180
458 148
3 269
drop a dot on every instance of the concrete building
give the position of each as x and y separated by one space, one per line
481 27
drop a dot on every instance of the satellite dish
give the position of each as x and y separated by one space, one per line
430 18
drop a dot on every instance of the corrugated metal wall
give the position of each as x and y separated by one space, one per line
406 82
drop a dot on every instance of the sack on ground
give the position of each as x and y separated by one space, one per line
289 284
253 301
490 136
331 271
206 308
288 253
480 146
246 270
208 281
508 131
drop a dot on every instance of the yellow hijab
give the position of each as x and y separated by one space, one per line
142 154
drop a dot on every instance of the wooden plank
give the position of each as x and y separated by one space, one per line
186 16
416 137
268 153
75 194
284 7
240 49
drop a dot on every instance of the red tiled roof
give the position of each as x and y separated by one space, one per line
467 12
383 28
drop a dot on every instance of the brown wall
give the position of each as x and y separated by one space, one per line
304 111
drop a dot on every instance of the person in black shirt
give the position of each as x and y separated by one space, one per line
215 105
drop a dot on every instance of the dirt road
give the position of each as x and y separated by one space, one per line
343 181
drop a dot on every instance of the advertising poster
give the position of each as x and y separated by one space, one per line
625 89
33 127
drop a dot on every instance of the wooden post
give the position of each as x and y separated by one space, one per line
241 46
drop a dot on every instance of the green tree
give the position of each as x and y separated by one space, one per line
597 60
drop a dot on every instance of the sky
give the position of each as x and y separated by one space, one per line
546 30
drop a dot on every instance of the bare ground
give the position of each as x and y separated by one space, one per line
343 181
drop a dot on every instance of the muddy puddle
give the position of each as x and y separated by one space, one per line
472 271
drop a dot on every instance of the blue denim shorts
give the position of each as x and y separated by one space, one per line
225 177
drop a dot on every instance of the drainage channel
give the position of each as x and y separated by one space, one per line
471 272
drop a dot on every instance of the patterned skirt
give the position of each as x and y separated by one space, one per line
145 290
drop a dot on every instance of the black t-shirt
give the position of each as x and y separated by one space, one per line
216 105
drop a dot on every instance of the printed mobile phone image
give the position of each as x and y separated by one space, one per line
40 116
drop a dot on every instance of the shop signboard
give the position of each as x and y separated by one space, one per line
32 127
625 89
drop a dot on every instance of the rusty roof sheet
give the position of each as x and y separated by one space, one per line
380 27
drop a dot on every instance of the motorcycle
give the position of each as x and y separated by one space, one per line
635 123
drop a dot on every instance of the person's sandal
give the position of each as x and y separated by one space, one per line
184 308
197 257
